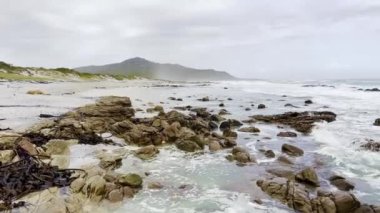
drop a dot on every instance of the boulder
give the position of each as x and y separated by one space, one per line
116 195
241 155
269 154
371 145
35 92
230 124
261 106
300 121
187 145
110 161
7 140
341 183
377 122
147 152
95 188
229 133
132 180
155 185
287 134
77 184
308 176
6 156
214 146
250 129
285 160
345 202
291 150
28 146
308 102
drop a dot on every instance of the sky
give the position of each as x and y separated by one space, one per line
287 39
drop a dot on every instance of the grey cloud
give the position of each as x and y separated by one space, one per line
248 38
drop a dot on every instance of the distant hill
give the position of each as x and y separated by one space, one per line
139 67
9 72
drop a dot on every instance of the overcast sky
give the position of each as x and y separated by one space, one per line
283 39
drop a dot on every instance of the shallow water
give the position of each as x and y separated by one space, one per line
212 183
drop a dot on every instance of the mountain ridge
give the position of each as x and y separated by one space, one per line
141 67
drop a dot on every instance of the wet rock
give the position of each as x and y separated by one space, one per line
345 202
308 176
288 192
201 112
8 140
213 125
214 146
300 121
95 187
128 192
147 152
371 145
291 150
287 134
221 105
250 129
269 154
6 156
132 180
290 105
341 183
223 112
247 109
46 116
280 172
367 209
377 122
217 118
261 106
59 147
110 161
26 145
229 134
285 160
229 124
372 90
155 185
35 92
241 155
187 145
115 195
204 99
77 184
308 102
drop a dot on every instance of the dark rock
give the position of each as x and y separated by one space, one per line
373 90
290 105
204 99
224 112
261 106
46 116
248 109
229 134
287 134
269 154
229 124
285 160
221 105
377 122
341 183
301 121
308 176
345 202
291 150
213 125
187 145
371 146
308 102
250 129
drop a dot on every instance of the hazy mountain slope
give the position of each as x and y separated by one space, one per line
144 68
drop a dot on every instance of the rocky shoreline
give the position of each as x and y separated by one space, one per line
48 143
